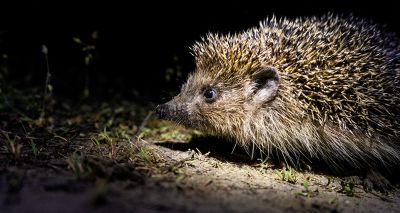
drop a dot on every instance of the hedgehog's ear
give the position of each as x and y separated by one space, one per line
265 83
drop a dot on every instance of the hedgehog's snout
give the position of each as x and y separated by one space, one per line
171 111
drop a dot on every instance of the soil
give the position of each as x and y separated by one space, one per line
89 158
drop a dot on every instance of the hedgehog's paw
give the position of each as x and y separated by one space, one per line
375 180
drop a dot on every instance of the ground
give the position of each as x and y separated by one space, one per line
114 156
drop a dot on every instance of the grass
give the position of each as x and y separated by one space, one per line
145 154
34 148
162 130
286 174
12 146
77 164
103 136
306 192
263 164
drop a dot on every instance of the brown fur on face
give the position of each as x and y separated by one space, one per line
325 88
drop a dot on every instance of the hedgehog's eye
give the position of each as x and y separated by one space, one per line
210 94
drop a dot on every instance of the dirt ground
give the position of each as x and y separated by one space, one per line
90 157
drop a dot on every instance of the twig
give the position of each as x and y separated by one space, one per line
142 125
48 75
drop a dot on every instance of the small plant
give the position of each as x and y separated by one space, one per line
306 192
286 174
306 184
263 164
76 162
101 136
88 49
305 165
95 140
48 88
105 136
145 155
348 188
12 146
34 147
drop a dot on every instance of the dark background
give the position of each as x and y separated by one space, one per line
137 41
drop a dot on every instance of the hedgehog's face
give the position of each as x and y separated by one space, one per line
221 102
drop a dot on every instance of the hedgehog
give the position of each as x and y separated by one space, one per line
324 89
